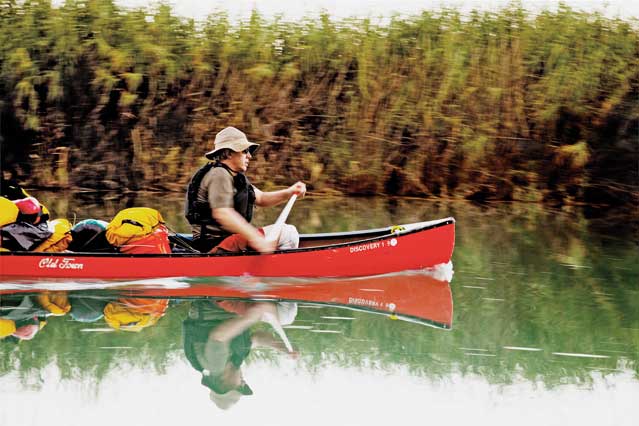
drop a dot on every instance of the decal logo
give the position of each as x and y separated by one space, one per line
371 303
372 246
59 263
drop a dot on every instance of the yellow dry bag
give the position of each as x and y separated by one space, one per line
8 212
132 223
60 239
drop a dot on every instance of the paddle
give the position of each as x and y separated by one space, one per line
273 233
277 326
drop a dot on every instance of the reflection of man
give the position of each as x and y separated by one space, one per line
217 340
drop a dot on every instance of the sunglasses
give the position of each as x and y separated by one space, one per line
246 151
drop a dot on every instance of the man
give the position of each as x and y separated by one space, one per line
220 200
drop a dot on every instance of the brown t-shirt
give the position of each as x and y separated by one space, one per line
217 188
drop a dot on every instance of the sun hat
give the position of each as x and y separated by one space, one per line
228 399
222 393
233 139
216 361
219 386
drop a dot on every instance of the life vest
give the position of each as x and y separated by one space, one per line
199 213
60 239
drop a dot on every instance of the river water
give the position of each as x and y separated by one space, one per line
539 325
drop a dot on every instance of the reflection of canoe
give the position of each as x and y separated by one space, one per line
411 296
423 297
346 254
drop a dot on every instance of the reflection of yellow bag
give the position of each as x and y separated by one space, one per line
132 223
8 211
7 327
56 303
134 315
60 239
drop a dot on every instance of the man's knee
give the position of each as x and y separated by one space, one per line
289 238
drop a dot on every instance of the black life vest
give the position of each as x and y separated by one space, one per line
199 213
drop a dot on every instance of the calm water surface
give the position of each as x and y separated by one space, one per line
544 330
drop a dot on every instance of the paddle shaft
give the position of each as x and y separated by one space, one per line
277 326
276 229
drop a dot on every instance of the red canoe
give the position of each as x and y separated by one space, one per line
345 254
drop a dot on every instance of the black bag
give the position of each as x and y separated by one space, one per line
90 236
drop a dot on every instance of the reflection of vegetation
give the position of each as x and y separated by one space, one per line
368 341
493 105
558 287
91 356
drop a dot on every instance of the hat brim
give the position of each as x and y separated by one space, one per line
226 400
252 147
213 383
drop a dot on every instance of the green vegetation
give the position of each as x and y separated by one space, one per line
494 105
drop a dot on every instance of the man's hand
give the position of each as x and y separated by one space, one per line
234 223
272 198
263 245
299 188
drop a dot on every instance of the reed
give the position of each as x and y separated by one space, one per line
490 105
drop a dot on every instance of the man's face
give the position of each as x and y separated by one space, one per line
239 161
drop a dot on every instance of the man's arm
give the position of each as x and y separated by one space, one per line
272 198
233 327
234 223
